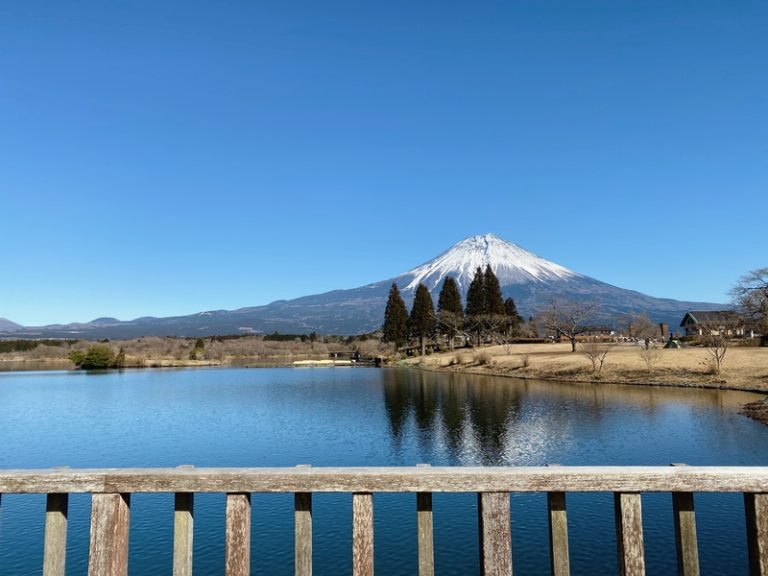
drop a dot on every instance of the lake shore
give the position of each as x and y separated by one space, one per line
743 369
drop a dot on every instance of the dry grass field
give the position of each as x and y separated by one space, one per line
743 368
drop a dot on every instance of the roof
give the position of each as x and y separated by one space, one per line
712 317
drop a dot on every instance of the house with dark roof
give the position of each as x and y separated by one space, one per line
713 323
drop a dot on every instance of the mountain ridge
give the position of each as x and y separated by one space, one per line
9 326
530 279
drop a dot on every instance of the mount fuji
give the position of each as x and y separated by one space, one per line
531 280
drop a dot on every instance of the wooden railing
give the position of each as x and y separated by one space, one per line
111 491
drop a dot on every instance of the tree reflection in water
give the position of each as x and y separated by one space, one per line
457 419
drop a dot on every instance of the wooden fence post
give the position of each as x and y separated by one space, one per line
756 508
685 534
238 535
110 521
183 530
559 560
362 534
303 533
558 534
55 546
495 534
425 531
629 534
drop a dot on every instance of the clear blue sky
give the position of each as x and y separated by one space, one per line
163 158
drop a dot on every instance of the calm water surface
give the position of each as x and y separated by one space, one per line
367 417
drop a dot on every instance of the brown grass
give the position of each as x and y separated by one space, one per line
744 368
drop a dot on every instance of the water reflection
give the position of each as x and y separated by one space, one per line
482 420
359 417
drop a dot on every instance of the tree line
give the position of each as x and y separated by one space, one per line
487 316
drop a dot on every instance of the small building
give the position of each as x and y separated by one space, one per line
713 323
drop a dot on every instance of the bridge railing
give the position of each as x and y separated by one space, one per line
111 491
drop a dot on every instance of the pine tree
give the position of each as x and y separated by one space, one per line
198 352
514 320
395 319
476 303
493 319
475 297
450 313
421 322
494 301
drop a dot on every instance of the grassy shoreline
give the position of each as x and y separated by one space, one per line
744 369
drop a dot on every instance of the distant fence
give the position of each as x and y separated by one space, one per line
111 491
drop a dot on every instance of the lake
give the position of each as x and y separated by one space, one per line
368 417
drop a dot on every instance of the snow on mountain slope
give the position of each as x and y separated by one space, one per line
532 282
511 264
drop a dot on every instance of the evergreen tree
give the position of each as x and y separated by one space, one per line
476 303
450 313
514 320
120 358
198 352
421 322
395 319
494 301
493 319
475 297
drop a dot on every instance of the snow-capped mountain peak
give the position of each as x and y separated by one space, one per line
511 264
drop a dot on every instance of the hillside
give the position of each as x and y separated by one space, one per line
531 280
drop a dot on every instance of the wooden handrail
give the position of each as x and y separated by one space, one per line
394 479
112 488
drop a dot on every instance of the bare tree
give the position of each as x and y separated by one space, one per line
717 346
750 295
452 324
717 333
640 326
650 355
568 318
596 351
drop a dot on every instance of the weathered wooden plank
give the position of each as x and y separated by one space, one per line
434 479
303 534
110 520
756 507
425 531
629 534
558 534
424 526
685 534
238 535
495 534
55 546
183 530
362 534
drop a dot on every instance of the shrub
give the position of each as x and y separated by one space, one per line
198 352
77 357
97 357
484 358
650 355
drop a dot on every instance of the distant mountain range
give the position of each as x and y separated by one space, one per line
532 281
8 326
